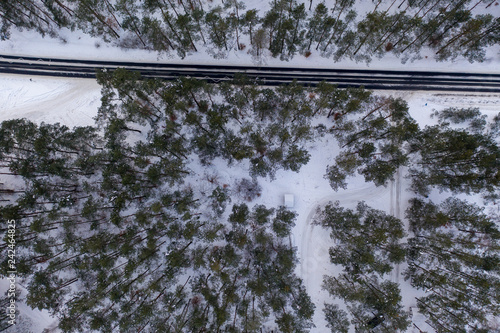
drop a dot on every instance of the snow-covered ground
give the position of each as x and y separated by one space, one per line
29 43
67 101
29 320
75 102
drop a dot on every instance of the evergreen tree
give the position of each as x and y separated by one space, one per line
454 257
319 26
285 24
367 298
92 17
470 119
336 318
367 240
44 17
471 40
339 26
131 21
219 28
236 21
368 32
373 142
249 21
454 160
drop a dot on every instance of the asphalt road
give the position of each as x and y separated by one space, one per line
271 76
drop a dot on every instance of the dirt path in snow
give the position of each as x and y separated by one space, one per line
395 211
315 241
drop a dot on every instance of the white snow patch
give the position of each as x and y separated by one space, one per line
29 320
72 102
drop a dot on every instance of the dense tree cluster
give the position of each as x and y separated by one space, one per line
454 257
453 252
367 240
236 121
372 132
367 245
460 154
110 232
287 28
111 235
110 229
377 136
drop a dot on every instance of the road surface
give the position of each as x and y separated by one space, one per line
271 76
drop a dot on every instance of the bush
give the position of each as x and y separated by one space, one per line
248 189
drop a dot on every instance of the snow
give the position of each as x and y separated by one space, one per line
74 102
28 320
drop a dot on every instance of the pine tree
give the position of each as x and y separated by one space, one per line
368 239
339 26
91 17
219 29
319 26
271 22
367 297
336 318
369 31
454 160
250 21
45 18
298 15
373 143
454 257
236 21
474 36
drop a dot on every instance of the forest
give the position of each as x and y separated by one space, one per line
115 234
340 29
112 235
